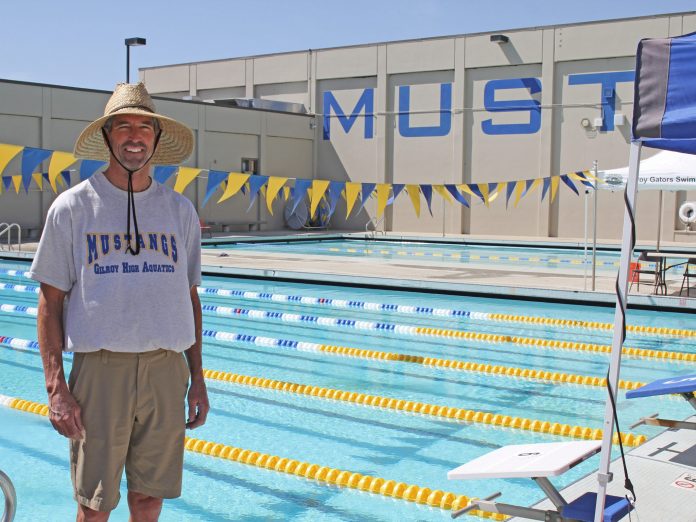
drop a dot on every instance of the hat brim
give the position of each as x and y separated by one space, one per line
174 147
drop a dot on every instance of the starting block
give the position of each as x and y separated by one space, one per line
538 462
683 385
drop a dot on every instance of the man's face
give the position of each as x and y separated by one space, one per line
132 139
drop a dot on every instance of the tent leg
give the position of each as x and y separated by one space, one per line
604 476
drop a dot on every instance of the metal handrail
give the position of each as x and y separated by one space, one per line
10 498
6 228
375 222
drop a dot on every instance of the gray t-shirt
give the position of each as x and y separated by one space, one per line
117 301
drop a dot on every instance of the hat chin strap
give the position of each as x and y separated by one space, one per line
131 198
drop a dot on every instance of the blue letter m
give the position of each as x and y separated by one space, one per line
365 103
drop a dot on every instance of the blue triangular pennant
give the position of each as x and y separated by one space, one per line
545 189
7 182
427 191
476 190
334 194
66 177
508 191
89 167
298 192
366 192
255 183
163 172
396 190
31 158
570 183
452 189
215 177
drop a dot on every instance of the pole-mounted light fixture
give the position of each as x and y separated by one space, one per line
500 38
131 42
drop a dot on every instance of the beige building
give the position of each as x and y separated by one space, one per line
477 108
50 117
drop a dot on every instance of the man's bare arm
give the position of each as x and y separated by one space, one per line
65 413
198 405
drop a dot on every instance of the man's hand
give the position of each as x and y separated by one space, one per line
66 415
198 405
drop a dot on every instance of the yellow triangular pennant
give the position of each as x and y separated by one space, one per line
413 192
17 182
464 187
286 193
318 189
352 191
554 186
7 152
235 181
535 185
38 179
383 190
519 189
185 176
60 161
440 189
274 186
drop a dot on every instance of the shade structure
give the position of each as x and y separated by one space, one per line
664 111
666 170
664 117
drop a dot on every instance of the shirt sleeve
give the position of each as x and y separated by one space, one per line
54 263
193 248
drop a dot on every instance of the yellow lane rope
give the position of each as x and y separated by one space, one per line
338 477
445 412
467 366
552 343
593 325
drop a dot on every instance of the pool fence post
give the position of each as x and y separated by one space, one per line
584 248
595 165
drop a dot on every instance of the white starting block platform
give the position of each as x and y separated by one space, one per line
538 462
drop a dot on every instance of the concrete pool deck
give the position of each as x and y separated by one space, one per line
528 282
415 272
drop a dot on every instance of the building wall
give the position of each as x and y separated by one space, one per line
53 117
458 125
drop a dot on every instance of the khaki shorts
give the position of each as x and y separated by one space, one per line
133 411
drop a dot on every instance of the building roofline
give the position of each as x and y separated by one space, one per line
153 96
428 38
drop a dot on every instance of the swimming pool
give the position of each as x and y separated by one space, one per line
434 252
386 344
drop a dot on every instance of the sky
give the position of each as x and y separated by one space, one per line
80 43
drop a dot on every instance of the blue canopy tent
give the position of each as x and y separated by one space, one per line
664 117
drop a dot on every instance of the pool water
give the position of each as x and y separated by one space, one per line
411 448
433 252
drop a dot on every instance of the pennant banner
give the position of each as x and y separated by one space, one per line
275 188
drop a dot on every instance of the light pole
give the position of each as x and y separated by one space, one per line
130 42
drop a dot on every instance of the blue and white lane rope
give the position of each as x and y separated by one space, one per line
32 289
425 331
408 309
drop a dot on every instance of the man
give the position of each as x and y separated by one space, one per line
125 302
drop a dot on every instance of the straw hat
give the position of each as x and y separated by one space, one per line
176 142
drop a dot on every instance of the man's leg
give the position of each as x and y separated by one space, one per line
143 508
156 453
85 514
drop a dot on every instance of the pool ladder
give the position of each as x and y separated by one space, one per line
6 230
375 222
10 498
